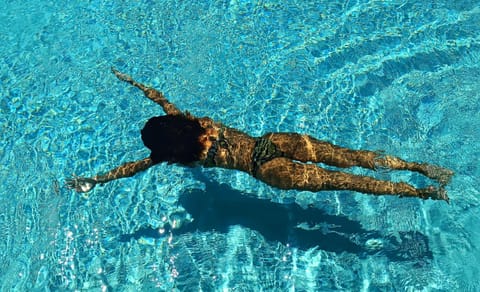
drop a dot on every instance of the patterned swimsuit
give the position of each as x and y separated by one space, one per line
263 151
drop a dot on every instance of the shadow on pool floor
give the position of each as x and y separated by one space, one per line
219 207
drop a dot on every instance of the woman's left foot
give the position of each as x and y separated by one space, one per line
434 194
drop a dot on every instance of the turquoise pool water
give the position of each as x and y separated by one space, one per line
400 76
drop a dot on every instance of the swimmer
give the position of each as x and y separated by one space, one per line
281 160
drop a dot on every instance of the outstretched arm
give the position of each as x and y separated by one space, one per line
84 184
151 93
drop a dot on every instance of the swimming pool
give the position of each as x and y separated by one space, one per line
398 76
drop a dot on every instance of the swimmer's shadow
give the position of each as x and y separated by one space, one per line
219 207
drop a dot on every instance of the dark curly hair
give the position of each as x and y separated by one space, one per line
173 138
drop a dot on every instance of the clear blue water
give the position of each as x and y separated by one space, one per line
400 76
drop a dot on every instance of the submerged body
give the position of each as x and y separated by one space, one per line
282 160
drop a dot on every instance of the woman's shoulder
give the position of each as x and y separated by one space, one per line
208 123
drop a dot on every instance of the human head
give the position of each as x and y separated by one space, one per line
173 138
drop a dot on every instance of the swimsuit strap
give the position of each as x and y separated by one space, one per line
212 151
265 150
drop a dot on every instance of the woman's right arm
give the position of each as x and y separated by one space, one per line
153 94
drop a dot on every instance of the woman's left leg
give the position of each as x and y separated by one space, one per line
283 173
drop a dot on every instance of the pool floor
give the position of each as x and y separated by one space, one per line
398 76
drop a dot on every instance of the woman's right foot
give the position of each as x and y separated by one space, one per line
440 174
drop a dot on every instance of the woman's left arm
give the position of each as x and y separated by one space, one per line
85 184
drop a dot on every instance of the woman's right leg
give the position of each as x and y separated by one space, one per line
286 174
305 148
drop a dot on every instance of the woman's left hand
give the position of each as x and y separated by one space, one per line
81 184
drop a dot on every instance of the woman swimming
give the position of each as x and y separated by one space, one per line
281 160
